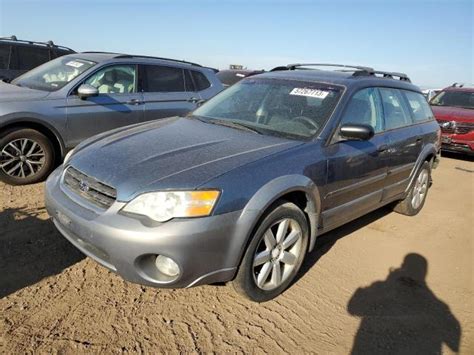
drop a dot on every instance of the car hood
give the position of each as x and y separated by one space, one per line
450 113
10 92
175 153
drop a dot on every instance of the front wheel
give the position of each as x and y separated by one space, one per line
274 255
26 157
416 197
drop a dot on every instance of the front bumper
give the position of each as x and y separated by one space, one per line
454 143
207 250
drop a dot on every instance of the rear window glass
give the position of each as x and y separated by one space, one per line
4 56
419 106
31 57
163 79
200 80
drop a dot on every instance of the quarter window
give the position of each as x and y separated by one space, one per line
364 108
419 106
200 80
395 113
117 79
163 79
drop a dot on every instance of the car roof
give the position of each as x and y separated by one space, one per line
100 57
460 89
343 78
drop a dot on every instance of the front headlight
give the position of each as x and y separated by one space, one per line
165 205
68 156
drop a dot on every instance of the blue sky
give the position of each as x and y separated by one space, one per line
432 41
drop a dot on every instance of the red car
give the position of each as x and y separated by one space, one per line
453 108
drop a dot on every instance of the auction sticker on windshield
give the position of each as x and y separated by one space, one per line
320 94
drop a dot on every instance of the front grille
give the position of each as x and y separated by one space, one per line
89 188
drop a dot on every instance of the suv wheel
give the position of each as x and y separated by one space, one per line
26 157
274 255
415 200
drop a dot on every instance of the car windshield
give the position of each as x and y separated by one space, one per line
291 109
464 99
55 74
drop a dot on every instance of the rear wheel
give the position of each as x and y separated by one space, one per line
274 255
26 157
415 200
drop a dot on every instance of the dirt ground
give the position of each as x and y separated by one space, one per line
364 289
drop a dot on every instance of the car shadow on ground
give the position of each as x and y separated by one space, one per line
402 315
30 249
457 156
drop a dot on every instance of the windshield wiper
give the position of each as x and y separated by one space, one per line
228 123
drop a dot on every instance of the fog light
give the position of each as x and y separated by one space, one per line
167 266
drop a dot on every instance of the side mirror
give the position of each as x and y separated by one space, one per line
85 90
359 132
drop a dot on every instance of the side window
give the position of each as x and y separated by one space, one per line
188 81
200 80
419 106
4 56
31 57
364 108
116 79
163 79
395 112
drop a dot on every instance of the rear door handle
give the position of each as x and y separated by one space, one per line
419 139
134 102
196 100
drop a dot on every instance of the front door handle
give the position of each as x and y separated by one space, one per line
382 148
194 100
134 102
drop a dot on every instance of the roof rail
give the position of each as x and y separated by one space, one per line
358 70
47 44
161 58
457 85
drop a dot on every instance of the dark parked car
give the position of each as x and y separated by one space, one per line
19 56
231 76
50 109
454 110
241 189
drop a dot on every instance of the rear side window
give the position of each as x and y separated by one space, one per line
364 108
163 79
31 57
395 112
419 106
200 80
4 56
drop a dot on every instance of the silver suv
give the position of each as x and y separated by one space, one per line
49 110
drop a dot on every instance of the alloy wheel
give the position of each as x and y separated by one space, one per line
420 189
277 253
22 158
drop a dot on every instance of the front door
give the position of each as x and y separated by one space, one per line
356 169
118 103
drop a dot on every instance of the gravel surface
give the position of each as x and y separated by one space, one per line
384 283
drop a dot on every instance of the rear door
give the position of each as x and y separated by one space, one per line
356 169
118 103
405 138
5 50
167 91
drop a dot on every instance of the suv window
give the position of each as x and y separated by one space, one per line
4 56
31 57
200 80
419 106
365 108
395 113
115 79
163 79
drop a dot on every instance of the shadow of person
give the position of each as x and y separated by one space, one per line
30 249
401 315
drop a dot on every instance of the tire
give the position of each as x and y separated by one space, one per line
26 156
410 206
260 283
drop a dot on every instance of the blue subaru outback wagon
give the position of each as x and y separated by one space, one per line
240 189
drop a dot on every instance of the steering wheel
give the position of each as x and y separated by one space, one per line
307 122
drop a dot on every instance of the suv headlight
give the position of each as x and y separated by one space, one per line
165 205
